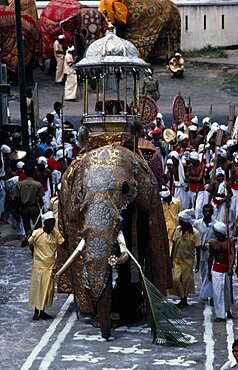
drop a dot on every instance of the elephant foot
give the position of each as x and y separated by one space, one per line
106 334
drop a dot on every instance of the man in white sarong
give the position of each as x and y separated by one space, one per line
220 270
45 241
205 227
180 187
71 84
59 53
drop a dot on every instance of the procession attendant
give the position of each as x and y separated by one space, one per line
206 124
59 53
220 269
179 186
45 241
5 150
151 86
195 138
186 243
44 176
171 208
71 84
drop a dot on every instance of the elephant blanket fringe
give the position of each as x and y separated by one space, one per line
165 319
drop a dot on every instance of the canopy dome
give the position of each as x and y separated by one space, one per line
111 50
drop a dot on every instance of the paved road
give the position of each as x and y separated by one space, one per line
202 84
68 343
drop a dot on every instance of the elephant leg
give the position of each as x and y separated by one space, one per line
104 310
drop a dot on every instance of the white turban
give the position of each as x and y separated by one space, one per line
206 119
159 115
182 137
61 37
194 156
222 152
48 216
174 154
220 171
185 216
195 120
20 165
169 161
5 149
181 125
224 128
42 160
231 142
220 227
70 48
192 128
164 193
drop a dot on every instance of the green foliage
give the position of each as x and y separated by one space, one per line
207 51
230 78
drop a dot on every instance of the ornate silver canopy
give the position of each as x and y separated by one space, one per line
111 51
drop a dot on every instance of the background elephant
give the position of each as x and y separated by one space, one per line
8 42
153 26
107 190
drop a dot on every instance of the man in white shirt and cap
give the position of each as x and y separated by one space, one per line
180 186
171 207
45 241
71 84
59 53
186 243
220 269
195 138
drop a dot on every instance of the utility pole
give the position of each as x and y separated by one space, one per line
22 81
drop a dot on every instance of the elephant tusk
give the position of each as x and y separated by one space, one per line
123 249
71 259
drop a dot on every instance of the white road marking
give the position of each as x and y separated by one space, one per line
51 354
230 337
208 337
46 337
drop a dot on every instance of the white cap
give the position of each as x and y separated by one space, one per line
195 120
222 152
185 216
5 149
201 148
20 165
181 126
169 161
220 171
59 154
224 128
194 156
41 130
231 142
206 119
220 227
71 48
164 193
192 128
48 216
42 160
182 137
159 115
61 37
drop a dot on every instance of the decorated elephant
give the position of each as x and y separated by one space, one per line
153 26
8 42
109 197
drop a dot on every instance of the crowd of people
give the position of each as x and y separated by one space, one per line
197 177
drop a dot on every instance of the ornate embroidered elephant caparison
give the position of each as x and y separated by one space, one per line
95 190
153 26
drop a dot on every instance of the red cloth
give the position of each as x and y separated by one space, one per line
30 37
220 267
196 187
53 164
234 186
49 23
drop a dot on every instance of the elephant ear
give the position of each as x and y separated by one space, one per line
122 12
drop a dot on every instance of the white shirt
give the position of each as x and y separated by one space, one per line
232 364
206 233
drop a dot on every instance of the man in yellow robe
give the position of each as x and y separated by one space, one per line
45 241
171 207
